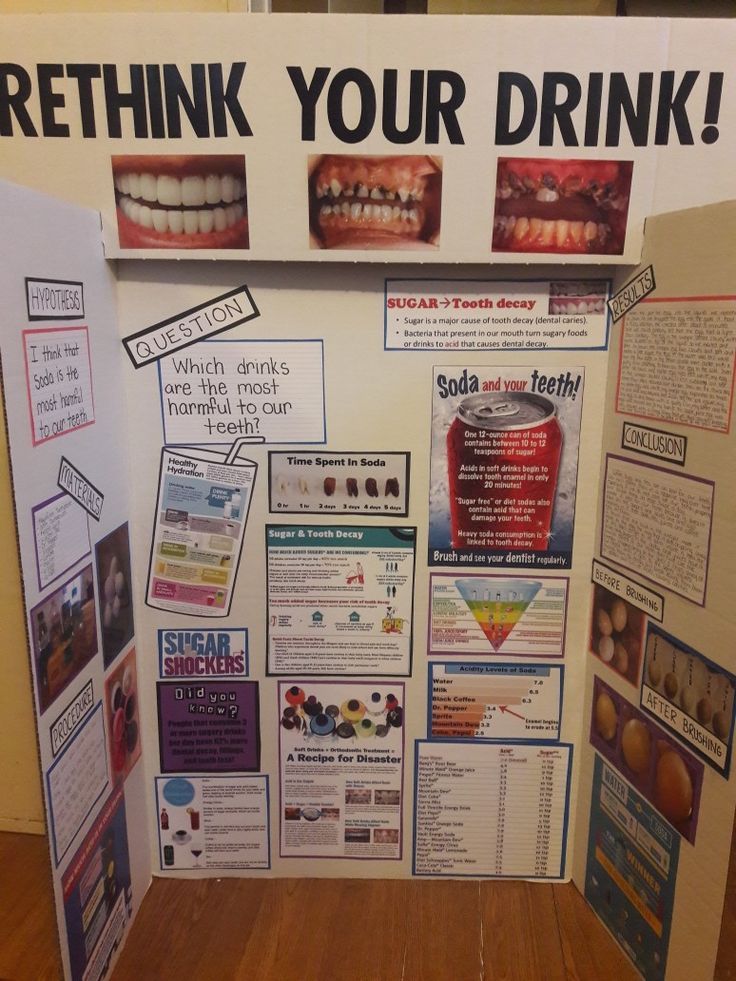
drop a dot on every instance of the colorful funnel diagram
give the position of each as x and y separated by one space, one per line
497 604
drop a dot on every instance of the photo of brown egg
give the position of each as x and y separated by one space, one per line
704 710
606 717
619 615
636 745
646 756
617 633
673 787
620 658
671 684
721 724
701 690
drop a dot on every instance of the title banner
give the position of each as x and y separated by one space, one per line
302 137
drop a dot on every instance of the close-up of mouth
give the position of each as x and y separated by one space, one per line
181 202
561 206
375 202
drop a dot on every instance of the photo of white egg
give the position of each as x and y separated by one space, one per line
617 630
116 607
619 615
119 583
620 658
604 624
110 589
127 680
107 616
113 566
606 647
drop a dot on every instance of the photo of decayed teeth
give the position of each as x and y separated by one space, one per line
358 202
181 202
392 487
561 206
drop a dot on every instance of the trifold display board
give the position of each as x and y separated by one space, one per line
370 568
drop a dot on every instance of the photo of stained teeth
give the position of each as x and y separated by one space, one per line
577 299
561 206
359 202
329 486
181 202
352 486
392 487
371 487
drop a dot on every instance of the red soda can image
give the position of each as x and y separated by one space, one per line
503 460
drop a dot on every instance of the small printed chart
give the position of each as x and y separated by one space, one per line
498 604
495 701
491 614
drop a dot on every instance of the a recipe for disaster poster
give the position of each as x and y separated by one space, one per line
504 465
341 755
340 599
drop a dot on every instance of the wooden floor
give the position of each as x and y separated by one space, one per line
310 929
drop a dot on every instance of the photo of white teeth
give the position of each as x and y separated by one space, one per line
190 191
201 221
181 196
575 298
576 306
220 201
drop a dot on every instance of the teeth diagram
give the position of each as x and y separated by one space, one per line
498 604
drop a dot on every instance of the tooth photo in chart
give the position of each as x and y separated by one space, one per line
359 202
565 207
181 202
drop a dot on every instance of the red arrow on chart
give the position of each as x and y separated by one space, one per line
505 708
